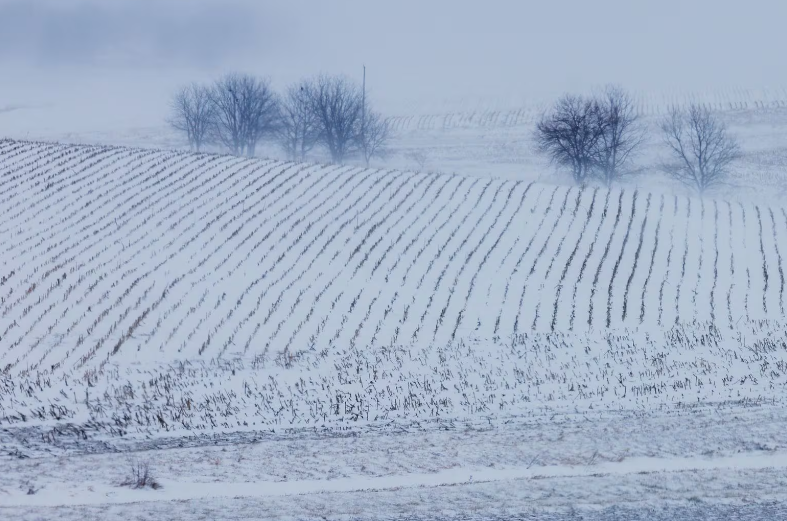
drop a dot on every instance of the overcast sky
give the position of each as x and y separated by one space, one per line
424 50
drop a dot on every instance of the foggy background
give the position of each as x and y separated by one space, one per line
90 64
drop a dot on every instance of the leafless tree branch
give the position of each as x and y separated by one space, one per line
701 148
299 131
373 136
569 135
337 103
192 112
246 111
620 138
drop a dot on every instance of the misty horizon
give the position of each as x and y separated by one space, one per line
443 50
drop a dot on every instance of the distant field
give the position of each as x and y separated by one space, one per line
489 114
489 138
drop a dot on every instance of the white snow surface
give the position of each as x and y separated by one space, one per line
158 302
640 461
100 493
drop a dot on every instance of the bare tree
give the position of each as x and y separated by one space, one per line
700 146
620 135
141 476
337 103
299 131
569 135
247 110
373 136
192 113
419 156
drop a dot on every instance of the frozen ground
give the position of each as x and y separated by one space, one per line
299 341
719 459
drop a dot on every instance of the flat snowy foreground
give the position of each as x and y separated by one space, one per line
238 510
721 457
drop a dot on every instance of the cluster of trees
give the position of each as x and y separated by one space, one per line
598 138
239 111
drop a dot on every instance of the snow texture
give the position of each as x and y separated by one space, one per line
365 342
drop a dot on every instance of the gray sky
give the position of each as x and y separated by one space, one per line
416 50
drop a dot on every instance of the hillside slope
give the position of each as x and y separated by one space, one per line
163 290
119 253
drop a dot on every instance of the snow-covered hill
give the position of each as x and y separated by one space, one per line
335 332
238 292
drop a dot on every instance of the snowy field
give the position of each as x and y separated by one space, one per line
724 456
114 254
286 340
714 462
457 333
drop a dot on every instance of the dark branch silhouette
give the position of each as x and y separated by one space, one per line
193 114
701 149
246 111
337 103
299 131
569 135
374 135
620 138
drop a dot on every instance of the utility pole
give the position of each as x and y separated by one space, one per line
363 115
